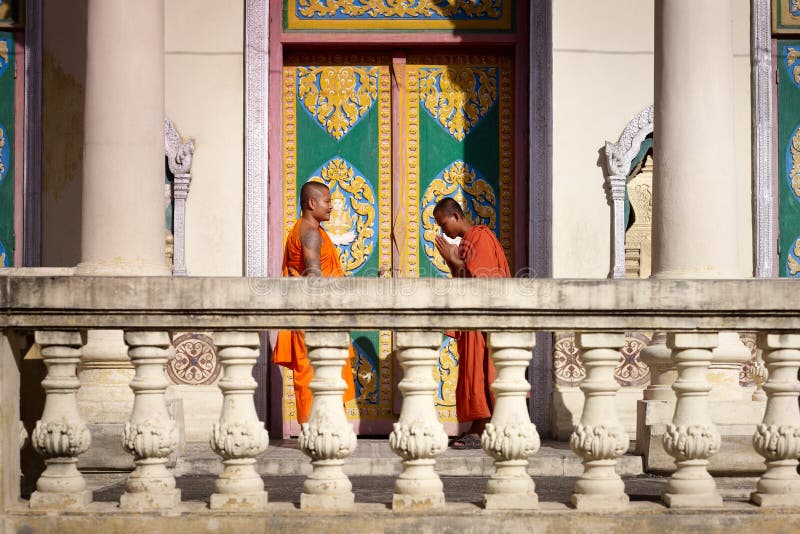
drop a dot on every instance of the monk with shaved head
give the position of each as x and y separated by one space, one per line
309 252
478 255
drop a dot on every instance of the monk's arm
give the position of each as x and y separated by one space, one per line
312 244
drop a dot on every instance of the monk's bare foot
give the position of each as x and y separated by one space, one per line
467 441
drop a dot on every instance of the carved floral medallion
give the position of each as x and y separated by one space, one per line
195 360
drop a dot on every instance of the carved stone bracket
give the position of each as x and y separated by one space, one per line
692 438
777 438
327 438
510 438
151 435
600 438
418 437
619 157
60 435
239 436
179 158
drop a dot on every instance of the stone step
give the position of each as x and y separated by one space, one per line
374 457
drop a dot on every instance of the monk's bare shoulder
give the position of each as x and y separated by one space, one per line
309 237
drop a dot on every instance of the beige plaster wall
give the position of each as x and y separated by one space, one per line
205 99
602 77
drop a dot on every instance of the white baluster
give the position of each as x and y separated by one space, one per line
418 437
510 438
239 436
599 439
777 438
60 435
692 438
151 435
327 438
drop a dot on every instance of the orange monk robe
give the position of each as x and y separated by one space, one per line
290 348
483 257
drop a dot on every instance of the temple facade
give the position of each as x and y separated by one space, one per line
170 138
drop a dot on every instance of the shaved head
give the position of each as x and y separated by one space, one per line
448 207
311 190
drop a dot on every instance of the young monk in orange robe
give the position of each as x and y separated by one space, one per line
309 252
479 255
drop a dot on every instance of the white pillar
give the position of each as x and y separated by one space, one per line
122 229
239 436
60 435
658 359
599 439
327 438
151 435
418 437
777 438
510 438
694 203
692 438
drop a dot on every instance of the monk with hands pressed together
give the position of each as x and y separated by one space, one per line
309 252
479 255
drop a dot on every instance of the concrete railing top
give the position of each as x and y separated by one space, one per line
65 302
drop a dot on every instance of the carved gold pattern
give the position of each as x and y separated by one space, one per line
792 259
4 50
792 55
337 97
364 374
402 9
458 97
413 92
476 196
411 262
446 377
794 174
384 372
338 174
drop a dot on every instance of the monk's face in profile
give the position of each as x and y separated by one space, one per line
450 224
320 206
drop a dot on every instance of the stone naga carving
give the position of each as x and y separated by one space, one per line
692 438
327 438
179 158
151 435
239 436
600 438
418 437
510 438
619 156
777 438
60 435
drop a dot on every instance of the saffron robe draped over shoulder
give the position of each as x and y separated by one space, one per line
290 348
483 257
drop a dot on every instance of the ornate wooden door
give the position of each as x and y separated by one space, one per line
450 121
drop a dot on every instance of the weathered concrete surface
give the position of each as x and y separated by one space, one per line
399 304
374 457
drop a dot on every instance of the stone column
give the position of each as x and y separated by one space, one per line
122 231
777 438
418 437
327 438
239 436
122 228
150 435
60 435
692 438
658 359
510 438
599 439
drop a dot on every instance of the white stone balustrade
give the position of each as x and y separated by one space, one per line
60 435
510 438
151 435
658 359
777 438
239 436
418 437
599 439
692 438
327 438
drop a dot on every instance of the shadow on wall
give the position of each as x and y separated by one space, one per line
64 26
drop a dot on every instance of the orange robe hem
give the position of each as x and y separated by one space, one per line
290 347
